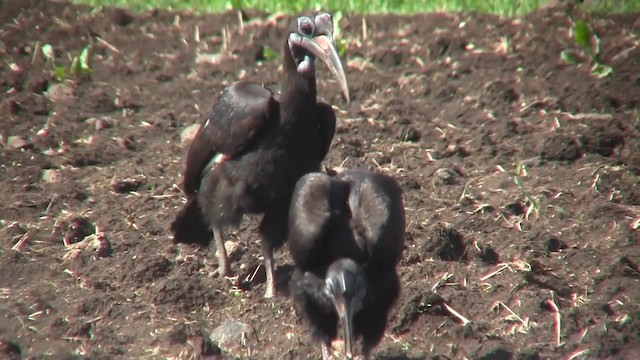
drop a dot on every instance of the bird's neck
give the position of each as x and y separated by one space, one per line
298 93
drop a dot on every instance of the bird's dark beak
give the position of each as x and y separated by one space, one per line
322 48
345 313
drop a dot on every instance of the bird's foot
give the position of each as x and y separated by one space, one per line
270 292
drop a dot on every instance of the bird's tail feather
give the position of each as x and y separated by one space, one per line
189 226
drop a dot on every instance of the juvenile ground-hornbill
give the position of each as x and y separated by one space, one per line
346 237
254 146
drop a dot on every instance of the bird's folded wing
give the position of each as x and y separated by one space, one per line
234 125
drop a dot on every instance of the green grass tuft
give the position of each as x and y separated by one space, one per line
501 7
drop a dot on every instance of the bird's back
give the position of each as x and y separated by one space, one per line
378 216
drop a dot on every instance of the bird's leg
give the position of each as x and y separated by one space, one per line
366 352
326 351
224 267
267 253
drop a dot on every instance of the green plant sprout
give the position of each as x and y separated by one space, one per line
589 43
520 171
268 53
341 43
79 64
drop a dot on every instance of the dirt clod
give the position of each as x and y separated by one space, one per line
230 333
444 176
60 92
444 242
553 244
127 185
489 256
77 228
560 147
18 142
10 350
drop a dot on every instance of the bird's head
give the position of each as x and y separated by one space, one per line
311 38
346 285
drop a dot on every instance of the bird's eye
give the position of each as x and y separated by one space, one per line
305 26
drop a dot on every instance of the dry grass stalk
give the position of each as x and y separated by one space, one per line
557 318
577 353
23 240
464 320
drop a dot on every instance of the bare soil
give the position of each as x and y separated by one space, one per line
520 172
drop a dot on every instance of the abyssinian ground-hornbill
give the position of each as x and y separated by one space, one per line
346 237
254 146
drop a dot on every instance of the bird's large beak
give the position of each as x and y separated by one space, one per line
322 48
345 314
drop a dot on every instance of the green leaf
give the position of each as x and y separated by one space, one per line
60 73
75 69
47 50
268 53
583 33
337 31
596 46
236 4
341 47
569 58
85 67
601 70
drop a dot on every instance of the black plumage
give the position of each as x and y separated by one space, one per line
254 146
346 237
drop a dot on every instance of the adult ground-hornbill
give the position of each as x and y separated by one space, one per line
254 146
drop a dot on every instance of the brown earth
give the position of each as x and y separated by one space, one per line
521 176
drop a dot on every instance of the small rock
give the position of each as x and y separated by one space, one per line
232 247
445 176
187 135
18 142
51 176
230 333
122 186
60 92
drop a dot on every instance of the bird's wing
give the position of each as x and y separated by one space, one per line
242 113
309 217
378 215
